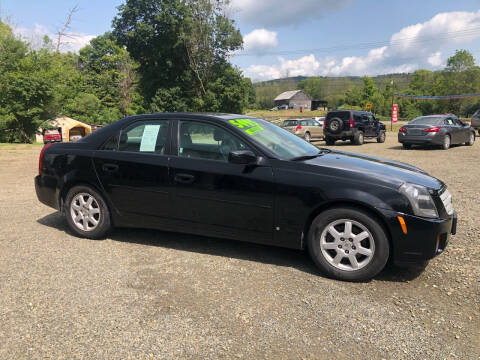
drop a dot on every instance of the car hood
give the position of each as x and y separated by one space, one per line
375 169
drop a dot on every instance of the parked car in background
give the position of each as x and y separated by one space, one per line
52 136
242 178
307 129
476 121
441 130
280 107
352 125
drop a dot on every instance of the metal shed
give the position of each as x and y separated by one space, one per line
71 129
295 99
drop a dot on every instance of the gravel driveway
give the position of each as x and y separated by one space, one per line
148 294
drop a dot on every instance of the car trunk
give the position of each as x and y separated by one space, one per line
417 130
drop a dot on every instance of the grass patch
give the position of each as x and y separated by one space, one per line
266 114
14 146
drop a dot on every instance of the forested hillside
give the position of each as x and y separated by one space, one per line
460 76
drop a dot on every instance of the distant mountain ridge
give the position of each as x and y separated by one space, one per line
332 88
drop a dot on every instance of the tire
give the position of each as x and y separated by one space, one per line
77 207
471 141
358 138
329 140
407 146
381 137
307 137
371 254
447 141
335 125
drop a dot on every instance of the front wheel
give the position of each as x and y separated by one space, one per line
87 213
307 137
348 244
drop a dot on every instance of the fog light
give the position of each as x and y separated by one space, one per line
403 225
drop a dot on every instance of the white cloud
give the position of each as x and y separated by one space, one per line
74 42
283 12
435 59
412 47
260 41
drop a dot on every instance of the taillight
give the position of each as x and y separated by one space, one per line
351 123
433 129
40 158
299 127
403 130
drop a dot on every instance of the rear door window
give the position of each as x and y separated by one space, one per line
145 136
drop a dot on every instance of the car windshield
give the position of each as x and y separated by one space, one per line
290 123
428 120
280 142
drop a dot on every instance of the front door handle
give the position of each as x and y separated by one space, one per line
184 178
110 168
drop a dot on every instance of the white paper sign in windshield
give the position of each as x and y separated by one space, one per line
149 138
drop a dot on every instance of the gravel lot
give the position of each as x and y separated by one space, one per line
150 294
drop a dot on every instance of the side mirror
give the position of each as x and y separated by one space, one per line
242 157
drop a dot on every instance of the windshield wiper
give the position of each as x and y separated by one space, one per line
308 157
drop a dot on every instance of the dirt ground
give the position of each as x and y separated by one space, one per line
149 294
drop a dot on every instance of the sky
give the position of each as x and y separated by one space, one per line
299 37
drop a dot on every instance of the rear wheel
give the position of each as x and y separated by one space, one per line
358 138
471 140
307 136
407 146
446 142
87 213
348 244
329 141
381 137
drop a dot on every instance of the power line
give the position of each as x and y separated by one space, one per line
371 45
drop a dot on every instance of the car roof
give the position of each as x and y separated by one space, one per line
98 136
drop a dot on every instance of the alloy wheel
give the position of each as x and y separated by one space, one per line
347 245
85 212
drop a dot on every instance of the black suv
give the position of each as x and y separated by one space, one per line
352 125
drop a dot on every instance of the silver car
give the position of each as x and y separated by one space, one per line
442 130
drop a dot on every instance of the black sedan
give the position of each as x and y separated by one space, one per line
242 178
441 130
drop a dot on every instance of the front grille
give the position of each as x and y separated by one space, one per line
446 198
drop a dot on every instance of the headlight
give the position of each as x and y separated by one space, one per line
420 199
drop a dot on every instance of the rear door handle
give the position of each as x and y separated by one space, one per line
184 178
110 167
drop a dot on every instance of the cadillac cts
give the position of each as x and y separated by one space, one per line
243 178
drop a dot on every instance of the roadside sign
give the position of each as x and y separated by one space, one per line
368 106
394 113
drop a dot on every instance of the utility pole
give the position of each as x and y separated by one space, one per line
391 117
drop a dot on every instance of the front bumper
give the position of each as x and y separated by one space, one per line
425 238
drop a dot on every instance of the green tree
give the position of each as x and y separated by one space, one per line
182 46
26 87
